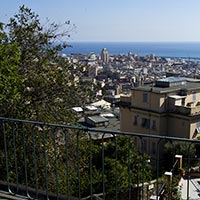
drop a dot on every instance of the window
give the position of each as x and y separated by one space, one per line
145 123
195 133
145 146
148 123
145 97
153 148
197 130
135 120
154 125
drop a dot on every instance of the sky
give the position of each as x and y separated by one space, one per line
118 20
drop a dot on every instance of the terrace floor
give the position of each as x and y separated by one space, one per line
194 188
4 196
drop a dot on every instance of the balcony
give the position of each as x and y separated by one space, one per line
51 161
187 110
125 100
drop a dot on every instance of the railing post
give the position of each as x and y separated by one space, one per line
91 177
157 168
14 131
116 171
103 167
129 175
188 179
78 160
142 167
55 157
35 160
45 163
25 159
169 182
6 156
67 163
180 159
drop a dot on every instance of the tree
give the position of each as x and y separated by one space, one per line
10 80
37 84
50 88
123 167
185 149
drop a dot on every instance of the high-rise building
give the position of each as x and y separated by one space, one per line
104 55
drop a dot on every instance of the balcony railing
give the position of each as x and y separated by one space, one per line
50 161
186 110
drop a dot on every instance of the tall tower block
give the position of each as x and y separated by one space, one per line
104 55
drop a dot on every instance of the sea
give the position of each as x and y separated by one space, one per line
188 50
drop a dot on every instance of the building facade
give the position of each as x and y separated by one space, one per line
171 107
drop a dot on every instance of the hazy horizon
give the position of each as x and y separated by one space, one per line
117 20
133 41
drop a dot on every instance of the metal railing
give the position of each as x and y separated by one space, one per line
50 161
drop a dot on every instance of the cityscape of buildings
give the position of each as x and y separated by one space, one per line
150 91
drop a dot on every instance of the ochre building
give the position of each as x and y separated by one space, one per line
170 107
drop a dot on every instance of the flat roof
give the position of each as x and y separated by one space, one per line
189 86
77 109
172 79
91 108
98 119
107 115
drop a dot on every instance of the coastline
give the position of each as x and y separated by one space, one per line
162 49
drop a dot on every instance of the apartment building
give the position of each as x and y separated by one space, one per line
170 107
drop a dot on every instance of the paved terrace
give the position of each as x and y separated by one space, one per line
194 189
4 196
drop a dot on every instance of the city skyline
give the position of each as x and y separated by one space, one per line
129 20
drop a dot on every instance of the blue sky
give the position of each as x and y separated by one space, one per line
118 20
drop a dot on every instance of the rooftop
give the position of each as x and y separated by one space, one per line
97 119
189 85
171 81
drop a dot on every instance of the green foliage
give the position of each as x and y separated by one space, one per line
124 165
181 148
10 80
36 84
49 87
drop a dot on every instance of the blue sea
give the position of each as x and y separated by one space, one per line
163 49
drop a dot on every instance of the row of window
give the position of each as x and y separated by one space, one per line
145 97
145 123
